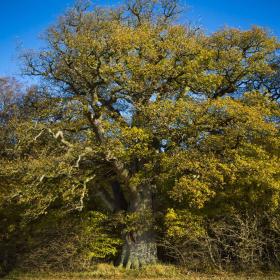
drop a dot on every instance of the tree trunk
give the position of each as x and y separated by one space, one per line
140 247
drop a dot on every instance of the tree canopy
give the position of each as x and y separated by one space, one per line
141 118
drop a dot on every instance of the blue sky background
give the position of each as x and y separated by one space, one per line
22 21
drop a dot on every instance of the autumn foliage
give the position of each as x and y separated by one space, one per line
145 140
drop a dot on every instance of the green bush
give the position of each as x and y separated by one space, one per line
70 243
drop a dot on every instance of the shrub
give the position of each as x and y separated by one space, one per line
232 242
70 243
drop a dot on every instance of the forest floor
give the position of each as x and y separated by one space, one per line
155 272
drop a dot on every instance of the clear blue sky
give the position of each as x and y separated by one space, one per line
22 21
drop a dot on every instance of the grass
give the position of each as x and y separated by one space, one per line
160 272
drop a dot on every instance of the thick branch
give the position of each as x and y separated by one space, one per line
107 199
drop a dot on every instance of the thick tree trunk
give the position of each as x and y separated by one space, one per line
139 252
140 247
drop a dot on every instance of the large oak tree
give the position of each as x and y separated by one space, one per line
137 107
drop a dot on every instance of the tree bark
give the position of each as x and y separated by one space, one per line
140 247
